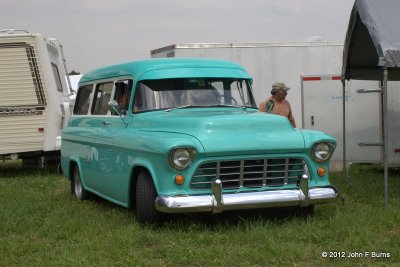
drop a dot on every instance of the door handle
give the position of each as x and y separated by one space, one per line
312 120
105 123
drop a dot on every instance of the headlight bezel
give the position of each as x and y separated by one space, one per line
317 147
174 162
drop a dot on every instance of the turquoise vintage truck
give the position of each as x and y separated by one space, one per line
185 135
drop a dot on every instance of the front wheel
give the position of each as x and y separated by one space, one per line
146 195
77 188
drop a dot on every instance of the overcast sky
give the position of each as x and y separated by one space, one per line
95 33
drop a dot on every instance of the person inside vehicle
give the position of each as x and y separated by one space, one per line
122 97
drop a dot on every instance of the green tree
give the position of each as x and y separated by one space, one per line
74 73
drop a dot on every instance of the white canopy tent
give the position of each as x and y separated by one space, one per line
372 52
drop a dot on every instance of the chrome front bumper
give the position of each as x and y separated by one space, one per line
218 202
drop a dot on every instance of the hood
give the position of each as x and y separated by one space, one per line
228 131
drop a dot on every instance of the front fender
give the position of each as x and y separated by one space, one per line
152 153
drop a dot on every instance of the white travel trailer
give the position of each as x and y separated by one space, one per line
312 70
34 96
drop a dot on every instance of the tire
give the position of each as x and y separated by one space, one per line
146 195
77 188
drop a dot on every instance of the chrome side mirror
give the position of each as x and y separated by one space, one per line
113 106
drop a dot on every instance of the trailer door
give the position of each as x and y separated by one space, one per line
322 109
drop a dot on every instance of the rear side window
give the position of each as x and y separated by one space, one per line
83 100
101 98
56 74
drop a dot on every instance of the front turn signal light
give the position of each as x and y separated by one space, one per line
321 171
179 179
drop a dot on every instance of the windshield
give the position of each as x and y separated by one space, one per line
192 92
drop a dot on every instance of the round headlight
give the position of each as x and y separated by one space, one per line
321 152
181 158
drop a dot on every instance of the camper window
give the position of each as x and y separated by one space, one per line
56 74
101 98
83 100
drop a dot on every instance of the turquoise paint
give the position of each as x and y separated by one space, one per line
168 68
226 130
107 155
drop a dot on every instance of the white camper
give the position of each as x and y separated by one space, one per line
34 96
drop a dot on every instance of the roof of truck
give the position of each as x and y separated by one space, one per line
163 68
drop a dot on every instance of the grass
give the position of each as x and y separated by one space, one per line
42 224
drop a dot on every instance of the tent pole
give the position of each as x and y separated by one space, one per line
344 132
385 133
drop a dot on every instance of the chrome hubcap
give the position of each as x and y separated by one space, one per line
78 184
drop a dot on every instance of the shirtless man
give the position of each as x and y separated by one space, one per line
277 104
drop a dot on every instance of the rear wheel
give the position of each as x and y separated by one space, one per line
77 188
146 195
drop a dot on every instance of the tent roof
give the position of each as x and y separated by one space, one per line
372 40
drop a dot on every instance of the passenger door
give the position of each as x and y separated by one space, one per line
109 156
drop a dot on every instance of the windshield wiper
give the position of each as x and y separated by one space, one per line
181 107
224 105
233 106
207 106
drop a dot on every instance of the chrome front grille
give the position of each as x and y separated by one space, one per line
249 173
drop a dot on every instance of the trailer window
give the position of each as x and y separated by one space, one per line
83 100
57 78
101 98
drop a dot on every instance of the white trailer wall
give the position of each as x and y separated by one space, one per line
323 111
21 86
269 62
393 108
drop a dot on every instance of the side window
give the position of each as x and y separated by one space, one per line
57 78
83 100
101 98
144 99
122 95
